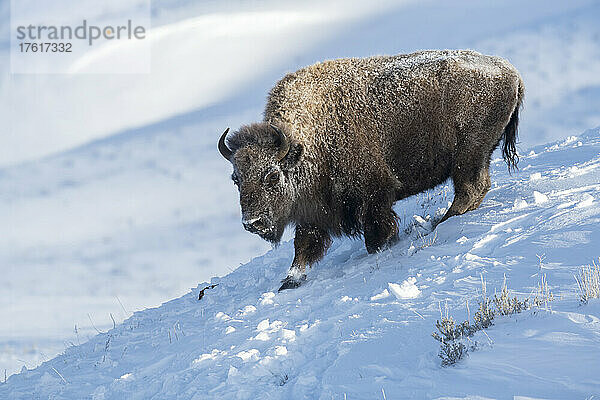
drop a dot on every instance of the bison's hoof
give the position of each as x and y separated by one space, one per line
292 282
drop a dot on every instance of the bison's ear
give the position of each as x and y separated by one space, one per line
293 156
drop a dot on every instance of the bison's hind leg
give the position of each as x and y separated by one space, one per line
380 225
482 186
470 187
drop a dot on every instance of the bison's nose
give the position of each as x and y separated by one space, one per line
254 225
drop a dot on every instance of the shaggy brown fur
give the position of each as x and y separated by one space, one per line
365 132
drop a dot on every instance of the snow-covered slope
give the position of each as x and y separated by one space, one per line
114 227
140 216
202 54
206 52
360 327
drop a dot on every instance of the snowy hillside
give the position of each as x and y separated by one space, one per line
208 52
360 327
110 228
145 211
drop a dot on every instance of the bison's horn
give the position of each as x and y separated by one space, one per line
284 146
223 149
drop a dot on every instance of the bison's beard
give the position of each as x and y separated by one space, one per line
274 235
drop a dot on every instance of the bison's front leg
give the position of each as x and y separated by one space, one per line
380 224
310 245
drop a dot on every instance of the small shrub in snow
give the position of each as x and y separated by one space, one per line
449 331
427 241
451 335
452 349
543 296
505 305
588 282
452 352
484 317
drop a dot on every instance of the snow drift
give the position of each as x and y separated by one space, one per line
361 325
126 222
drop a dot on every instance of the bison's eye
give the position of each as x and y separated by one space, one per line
235 180
272 178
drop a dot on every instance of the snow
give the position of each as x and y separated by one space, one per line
535 177
263 325
125 223
280 350
406 290
207 356
587 200
126 376
539 198
248 355
242 45
462 240
519 204
381 295
229 329
248 310
267 298
362 323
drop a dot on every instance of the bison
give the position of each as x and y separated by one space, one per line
342 140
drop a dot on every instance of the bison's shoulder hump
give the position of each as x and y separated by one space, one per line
446 60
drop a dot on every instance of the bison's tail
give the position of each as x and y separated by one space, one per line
509 148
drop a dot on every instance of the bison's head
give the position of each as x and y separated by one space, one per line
263 157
